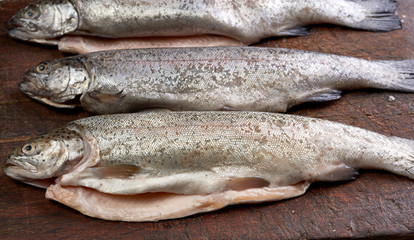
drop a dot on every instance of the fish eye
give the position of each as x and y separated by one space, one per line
42 67
28 149
29 13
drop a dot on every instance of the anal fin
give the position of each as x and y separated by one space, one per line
297 31
339 172
323 95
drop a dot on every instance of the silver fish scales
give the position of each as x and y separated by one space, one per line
246 21
157 165
217 78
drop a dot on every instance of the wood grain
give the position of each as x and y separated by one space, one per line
377 205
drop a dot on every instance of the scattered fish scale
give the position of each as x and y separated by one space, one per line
156 165
215 78
246 21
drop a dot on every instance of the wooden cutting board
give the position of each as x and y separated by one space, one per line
375 205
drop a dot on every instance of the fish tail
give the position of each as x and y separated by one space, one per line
404 164
380 15
396 156
404 80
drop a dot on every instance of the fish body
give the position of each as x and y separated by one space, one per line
156 165
246 21
217 78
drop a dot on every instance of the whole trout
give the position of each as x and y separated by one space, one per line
235 78
158 165
247 21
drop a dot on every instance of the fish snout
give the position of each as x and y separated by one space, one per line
7 162
21 29
15 22
30 84
25 87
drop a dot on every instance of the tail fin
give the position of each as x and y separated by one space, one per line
380 15
405 79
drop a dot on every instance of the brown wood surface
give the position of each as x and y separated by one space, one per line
375 205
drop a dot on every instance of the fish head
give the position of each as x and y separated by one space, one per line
43 20
58 83
39 160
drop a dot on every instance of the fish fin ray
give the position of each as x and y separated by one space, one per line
119 171
405 80
293 32
380 17
324 95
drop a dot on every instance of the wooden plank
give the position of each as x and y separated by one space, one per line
375 205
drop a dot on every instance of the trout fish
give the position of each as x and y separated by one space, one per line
226 78
157 165
246 21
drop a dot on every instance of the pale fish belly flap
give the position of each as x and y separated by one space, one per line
161 206
87 44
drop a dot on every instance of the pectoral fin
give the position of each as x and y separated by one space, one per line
106 97
111 172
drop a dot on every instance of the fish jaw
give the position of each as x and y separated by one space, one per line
48 101
16 172
17 33
25 87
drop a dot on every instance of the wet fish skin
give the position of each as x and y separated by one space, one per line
247 21
238 78
47 156
210 159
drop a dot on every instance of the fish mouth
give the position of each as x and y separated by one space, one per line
47 100
10 165
19 30
17 33
12 170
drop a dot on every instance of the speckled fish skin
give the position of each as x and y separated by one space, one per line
238 78
210 160
247 21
